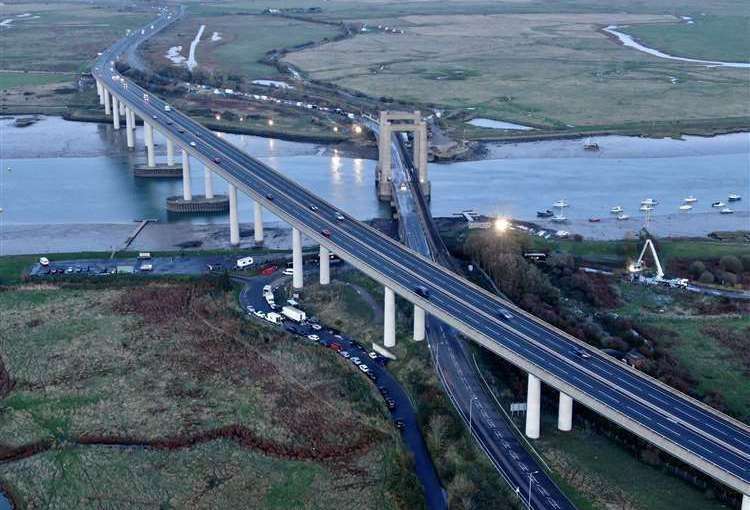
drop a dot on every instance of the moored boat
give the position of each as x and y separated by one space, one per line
616 209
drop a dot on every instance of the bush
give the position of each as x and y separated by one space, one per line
731 263
706 277
745 262
697 268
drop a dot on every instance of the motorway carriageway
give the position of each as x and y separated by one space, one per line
617 389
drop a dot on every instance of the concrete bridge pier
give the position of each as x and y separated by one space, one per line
129 128
170 153
297 259
533 407
122 108
148 132
187 192
745 502
100 92
115 113
258 217
325 266
234 224
389 318
208 183
419 319
107 110
565 413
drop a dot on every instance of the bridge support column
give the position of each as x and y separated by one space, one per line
100 92
107 110
533 407
258 218
419 317
148 136
234 223
170 152
115 113
325 266
122 108
565 413
745 502
384 159
129 128
297 258
187 192
208 182
389 318
421 160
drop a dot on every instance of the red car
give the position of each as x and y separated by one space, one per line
269 270
325 232
336 347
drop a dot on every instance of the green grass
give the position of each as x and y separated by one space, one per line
13 80
716 367
609 473
618 252
723 38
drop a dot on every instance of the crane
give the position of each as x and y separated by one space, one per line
636 268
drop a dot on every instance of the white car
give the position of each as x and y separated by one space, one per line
260 313
364 368
288 271
167 108
244 262
314 338
192 144
316 327
250 309
373 355
44 261
356 361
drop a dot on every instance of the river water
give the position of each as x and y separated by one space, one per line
61 172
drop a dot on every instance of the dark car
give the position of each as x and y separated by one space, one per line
400 425
325 232
217 161
422 291
269 197
313 207
181 130
390 403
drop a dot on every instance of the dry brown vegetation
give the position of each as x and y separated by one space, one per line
170 367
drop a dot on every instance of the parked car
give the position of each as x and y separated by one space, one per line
289 271
314 338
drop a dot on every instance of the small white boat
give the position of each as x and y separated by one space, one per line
559 218
649 202
590 145
560 203
734 197
646 208
616 209
685 207
727 210
690 200
718 204
623 217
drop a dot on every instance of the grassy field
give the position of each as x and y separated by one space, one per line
163 396
606 474
66 36
12 80
724 38
535 63
244 41
709 346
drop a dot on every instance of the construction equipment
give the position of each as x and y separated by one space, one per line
637 268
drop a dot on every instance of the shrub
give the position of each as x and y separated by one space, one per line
745 262
697 268
706 277
731 263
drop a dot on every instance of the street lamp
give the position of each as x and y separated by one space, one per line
270 122
501 224
531 477
357 129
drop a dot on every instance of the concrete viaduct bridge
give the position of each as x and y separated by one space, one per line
685 428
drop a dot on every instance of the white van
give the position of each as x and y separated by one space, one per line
244 262
144 255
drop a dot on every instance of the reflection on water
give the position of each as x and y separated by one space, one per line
97 185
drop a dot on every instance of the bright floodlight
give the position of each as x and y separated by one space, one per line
270 122
502 224
357 128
